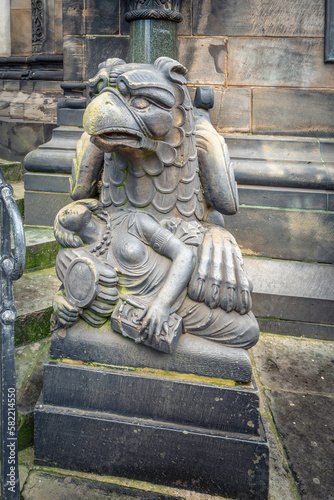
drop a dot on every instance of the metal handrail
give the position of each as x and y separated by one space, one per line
11 268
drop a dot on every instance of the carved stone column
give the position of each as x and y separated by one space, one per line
153 29
5 45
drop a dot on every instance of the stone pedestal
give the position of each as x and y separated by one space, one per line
111 406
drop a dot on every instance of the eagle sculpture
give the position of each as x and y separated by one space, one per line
150 182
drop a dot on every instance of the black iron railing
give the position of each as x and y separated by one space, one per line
11 268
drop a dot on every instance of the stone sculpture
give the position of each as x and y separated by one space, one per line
152 253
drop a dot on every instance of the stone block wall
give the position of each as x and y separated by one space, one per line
265 59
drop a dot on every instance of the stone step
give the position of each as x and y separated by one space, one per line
41 248
293 298
12 170
33 294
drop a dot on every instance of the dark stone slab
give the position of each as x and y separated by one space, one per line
229 409
70 117
266 196
55 183
192 354
73 17
276 18
259 62
204 58
41 485
100 48
296 328
306 112
305 424
331 202
102 17
292 290
74 58
284 234
160 452
41 208
298 365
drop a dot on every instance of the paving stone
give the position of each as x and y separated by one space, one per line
300 112
41 485
288 62
305 423
295 364
204 58
260 18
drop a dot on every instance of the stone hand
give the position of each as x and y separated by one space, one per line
66 313
219 279
155 322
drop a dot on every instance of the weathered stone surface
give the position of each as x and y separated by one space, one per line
21 31
205 59
73 18
283 149
41 108
41 208
231 111
302 199
74 63
292 290
296 328
58 26
298 365
56 183
160 452
102 17
41 248
261 18
293 112
229 409
235 111
41 485
100 48
305 424
19 138
192 354
301 175
287 62
284 234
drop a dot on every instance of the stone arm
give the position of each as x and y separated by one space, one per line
183 260
215 168
86 169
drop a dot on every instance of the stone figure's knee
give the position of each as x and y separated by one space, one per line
252 331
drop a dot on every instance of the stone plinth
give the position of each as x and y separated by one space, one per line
111 406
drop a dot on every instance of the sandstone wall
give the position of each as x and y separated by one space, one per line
263 57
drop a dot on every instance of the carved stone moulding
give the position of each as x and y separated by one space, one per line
167 10
38 25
